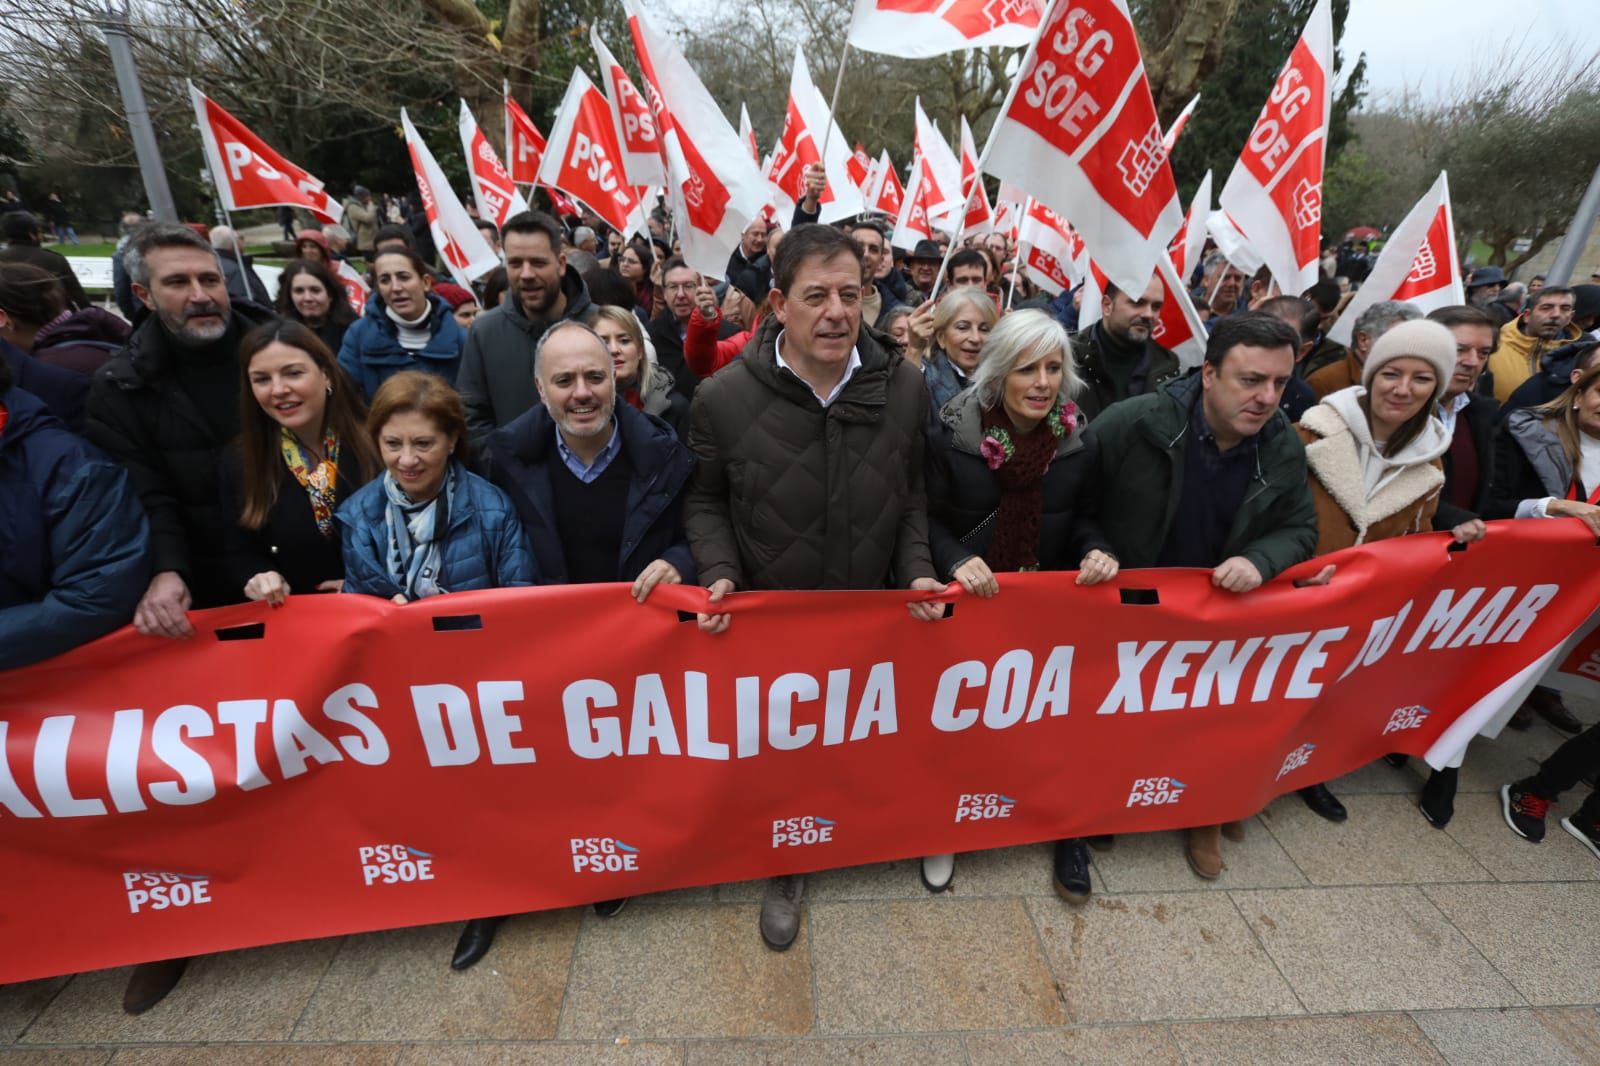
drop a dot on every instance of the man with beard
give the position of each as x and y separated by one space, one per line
679 283
496 376
1116 357
877 297
164 407
1546 324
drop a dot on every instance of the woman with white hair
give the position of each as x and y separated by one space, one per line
1012 487
948 344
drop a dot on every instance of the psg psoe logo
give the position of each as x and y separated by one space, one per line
1297 758
1155 792
393 864
603 855
159 892
984 806
1405 718
801 832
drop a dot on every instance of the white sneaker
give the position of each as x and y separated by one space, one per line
937 870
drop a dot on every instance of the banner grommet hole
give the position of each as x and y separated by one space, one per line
456 623
1456 546
686 616
248 631
1140 597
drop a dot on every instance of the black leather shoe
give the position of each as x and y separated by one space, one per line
1438 802
1397 759
1071 878
150 982
1324 803
608 908
1548 705
476 940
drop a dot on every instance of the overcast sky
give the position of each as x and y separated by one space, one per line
1425 45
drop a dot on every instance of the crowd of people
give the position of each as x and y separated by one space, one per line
822 416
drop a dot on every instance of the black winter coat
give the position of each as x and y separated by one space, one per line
288 541
142 417
659 467
1480 414
964 494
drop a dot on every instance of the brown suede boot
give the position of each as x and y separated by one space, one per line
1233 831
1205 851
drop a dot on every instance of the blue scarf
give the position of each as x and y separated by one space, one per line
415 531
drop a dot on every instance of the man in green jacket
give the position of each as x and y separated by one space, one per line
1208 472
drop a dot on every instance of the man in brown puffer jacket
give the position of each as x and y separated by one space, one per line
809 471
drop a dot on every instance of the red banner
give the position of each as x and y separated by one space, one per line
342 764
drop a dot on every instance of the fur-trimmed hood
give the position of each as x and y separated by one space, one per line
1339 446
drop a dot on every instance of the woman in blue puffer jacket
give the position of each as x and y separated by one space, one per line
428 525
405 327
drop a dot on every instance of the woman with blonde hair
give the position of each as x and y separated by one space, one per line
947 343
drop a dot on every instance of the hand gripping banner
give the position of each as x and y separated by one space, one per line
341 764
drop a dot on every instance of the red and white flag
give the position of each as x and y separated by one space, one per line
1080 132
1008 209
582 157
885 193
562 204
630 113
943 173
860 166
457 238
1275 191
524 143
1190 239
1178 328
747 133
355 286
1052 252
248 173
713 185
806 123
1232 243
914 223
492 188
1418 264
979 216
1171 137
916 29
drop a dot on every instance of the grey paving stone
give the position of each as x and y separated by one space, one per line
1379 778
1512 755
1495 1037
398 985
1371 949
1385 842
1543 937
1157 862
1157 957
11 1056
236 995
1018 871
681 970
891 966
1480 827
550 1053
259 1055
1364 1040
1110 1045
867 1051
20 1004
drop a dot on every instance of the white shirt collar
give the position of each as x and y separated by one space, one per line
1448 409
850 368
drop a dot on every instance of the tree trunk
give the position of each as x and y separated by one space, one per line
1188 53
521 49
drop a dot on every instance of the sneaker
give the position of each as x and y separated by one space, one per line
780 911
1524 812
937 872
608 908
1072 872
1588 836
1438 800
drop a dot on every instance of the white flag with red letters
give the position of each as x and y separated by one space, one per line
1052 252
355 286
806 124
747 133
1274 194
492 188
248 173
1171 136
459 243
884 191
581 158
1418 264
979 216
1080 132
913 223
713 185
524 143
1190 239
943 174
915 29
630 113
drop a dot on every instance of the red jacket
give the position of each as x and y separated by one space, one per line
704 353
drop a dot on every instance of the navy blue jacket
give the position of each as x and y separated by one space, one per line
74 542
659 466
484 548
371 352
65 392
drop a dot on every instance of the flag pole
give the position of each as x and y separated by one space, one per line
983 157
833 105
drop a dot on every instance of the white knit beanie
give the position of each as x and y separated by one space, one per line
1418 339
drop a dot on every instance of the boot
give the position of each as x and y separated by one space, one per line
1205 851
1071 878
1438 802
150 982
1233 831
476 940
780 911
1547 704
